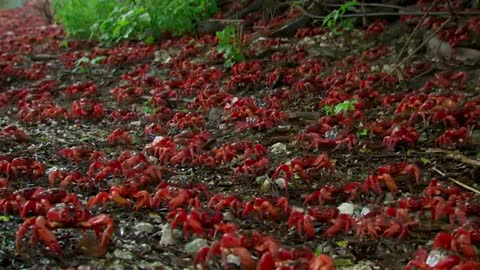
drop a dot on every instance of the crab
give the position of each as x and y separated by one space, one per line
262 206
66 216
321 262
453 136
388 174
398 134
252 167
319 142
302 222
119 136
76 153
301 165
447 80
343 222
15 166
197 220
321 195
14 132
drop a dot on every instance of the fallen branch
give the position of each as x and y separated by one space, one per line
455 156
465 186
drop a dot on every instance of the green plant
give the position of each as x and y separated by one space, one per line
84 64
78 16
345 107
335 18
111 21
230 45
126 21
178 16
362 131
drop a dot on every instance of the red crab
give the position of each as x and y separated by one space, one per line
119 136
252 167
14 132
388 174
300 166
453 136
76 153
302 222
447 80
67 216
397 134
198 220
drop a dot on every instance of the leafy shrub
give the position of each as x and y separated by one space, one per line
111 21
178 16
230 45
78 16
335 18
345 107
126 21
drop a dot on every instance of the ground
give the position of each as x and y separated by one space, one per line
321 143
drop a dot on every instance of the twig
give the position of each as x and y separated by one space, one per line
376 14
413 32
456 156
372 5
465 186
416 50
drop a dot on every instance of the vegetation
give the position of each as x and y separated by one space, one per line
111 21
335 19
230 45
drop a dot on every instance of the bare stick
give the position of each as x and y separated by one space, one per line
465 186
413 32
417 49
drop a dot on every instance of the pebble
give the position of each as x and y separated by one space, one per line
346 208
167 238
123 254
143 227
194 246
278 148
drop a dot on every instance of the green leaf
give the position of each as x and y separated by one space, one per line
425 161
4 218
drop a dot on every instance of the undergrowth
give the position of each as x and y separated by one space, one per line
112 21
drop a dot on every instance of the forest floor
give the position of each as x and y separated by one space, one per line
370 144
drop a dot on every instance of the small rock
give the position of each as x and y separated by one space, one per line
215 114
278 148
167 237
123 254
346 208
281 182
144 227
194 246
233 259
266 185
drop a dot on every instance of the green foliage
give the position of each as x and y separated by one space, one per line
84 64
345 107
127 21
335 18
111 21
230 45
178 16
362 131
77 16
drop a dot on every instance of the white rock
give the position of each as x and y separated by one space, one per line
194 246
167 237
143 227
278 148
281 182
123 254
346 208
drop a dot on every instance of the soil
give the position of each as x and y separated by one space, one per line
49 88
